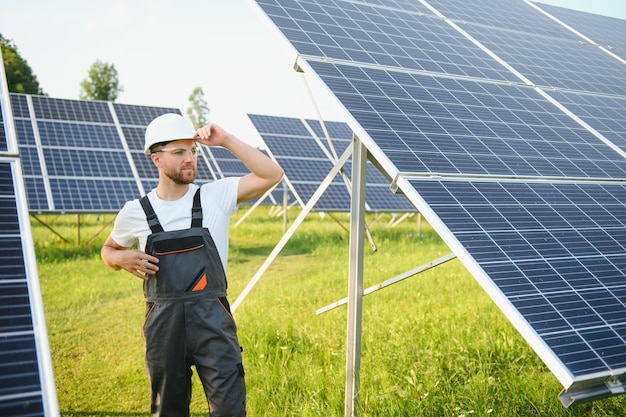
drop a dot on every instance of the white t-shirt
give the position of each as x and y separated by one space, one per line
219 200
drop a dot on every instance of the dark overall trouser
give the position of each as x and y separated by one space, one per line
188 322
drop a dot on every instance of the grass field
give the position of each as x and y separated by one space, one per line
433 345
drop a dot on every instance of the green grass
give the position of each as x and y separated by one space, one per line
433 345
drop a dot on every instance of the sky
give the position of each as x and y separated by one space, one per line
163 49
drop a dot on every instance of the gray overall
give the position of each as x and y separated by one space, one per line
188 322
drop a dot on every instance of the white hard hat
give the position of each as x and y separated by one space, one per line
167 128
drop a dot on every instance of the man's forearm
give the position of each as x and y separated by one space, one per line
256 161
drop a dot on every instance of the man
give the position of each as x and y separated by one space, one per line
182 235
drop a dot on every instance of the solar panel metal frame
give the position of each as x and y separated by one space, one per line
580 388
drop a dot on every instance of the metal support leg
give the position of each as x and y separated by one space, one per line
355 279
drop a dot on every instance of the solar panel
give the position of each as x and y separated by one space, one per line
307 151
555 252
446 125
26 383
85 155
519 164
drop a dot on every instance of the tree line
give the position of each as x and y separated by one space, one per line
102 82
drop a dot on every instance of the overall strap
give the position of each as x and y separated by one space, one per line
151 216
196 210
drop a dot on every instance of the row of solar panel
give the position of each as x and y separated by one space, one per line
307 151
87 156
505 128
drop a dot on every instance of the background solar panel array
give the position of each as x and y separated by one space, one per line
23 343
506 131
87 156
302 149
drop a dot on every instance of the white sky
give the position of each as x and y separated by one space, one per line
163 49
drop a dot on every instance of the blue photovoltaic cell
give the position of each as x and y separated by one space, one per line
445 125
338 131
25 134
605 31
286 126
20 386
61 163
605 114
29 157
71 110
135 137
74 135
546 227
334 199
19 106
31 165
556 251
36 195
3 139
145 166
92 195
139 116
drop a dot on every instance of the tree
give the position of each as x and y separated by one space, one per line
20 77
198 110
102 83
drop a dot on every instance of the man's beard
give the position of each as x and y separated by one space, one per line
182 177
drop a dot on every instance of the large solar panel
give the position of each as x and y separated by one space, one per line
505 129
26 382
307 151
86 155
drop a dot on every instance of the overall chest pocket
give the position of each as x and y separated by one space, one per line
182 264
